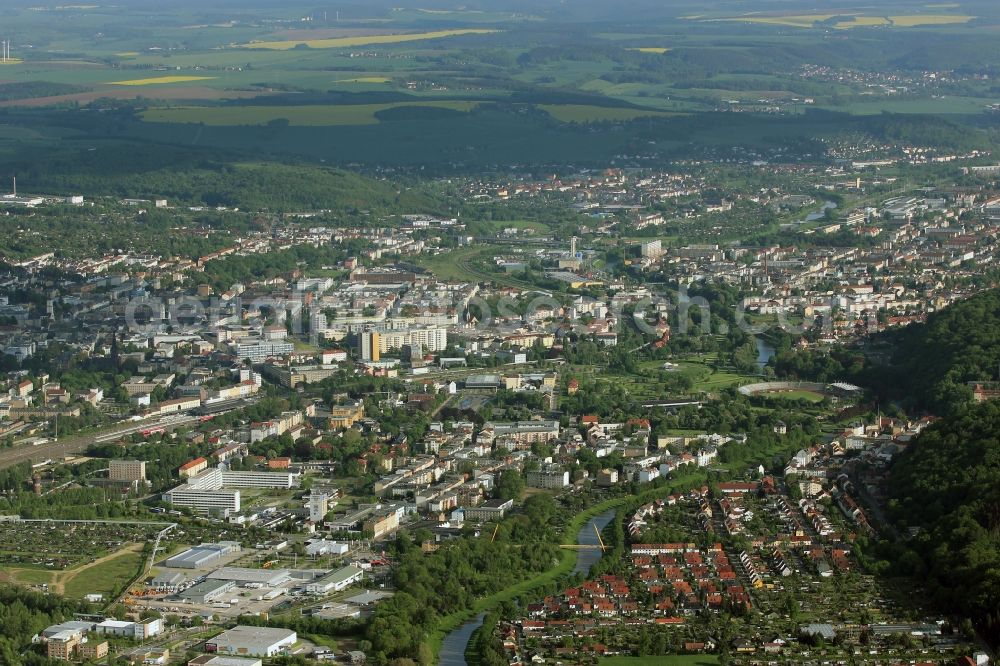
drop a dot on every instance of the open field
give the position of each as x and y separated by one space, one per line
366 40
305 116
365 79
793 21
863 21
105 577
159 80
857 21
650 49
929 19
582 113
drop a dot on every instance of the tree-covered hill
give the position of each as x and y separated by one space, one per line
932 362
206 177
927 365
948 485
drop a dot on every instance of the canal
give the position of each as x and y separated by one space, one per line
455 643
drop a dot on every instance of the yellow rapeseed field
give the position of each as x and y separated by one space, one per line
366 40
161 79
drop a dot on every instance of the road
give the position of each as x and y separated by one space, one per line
77 443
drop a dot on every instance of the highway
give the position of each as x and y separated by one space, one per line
56 450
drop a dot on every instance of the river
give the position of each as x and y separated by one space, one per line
765 353
455 643
818 215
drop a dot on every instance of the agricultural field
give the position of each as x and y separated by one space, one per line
368 40
302 116
856 21
160 80
578 113
483 87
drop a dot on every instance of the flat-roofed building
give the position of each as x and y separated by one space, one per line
92 650
220 660
202 555
548 477
168 581
211 502
207 591
63 645
523 432
241 575
254 641
336 581
492 510
127 470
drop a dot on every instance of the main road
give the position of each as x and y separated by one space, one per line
56 449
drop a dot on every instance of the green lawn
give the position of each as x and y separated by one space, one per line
811 396
31 576
106 578
666 660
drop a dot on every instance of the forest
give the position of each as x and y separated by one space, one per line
24 613
455 576
927 366
945 488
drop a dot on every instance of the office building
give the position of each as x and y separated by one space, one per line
319 506
63 645
261 350
127 470
210 502
370 345
93 650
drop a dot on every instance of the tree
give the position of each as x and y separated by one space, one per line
510 485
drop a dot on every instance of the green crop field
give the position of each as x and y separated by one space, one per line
579 113
366 40
303 116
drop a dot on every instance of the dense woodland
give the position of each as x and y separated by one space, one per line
452 578
927 365
24 613
946 487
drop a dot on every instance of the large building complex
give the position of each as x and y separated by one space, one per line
335 581
253 641
209 492
210 502
202 555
